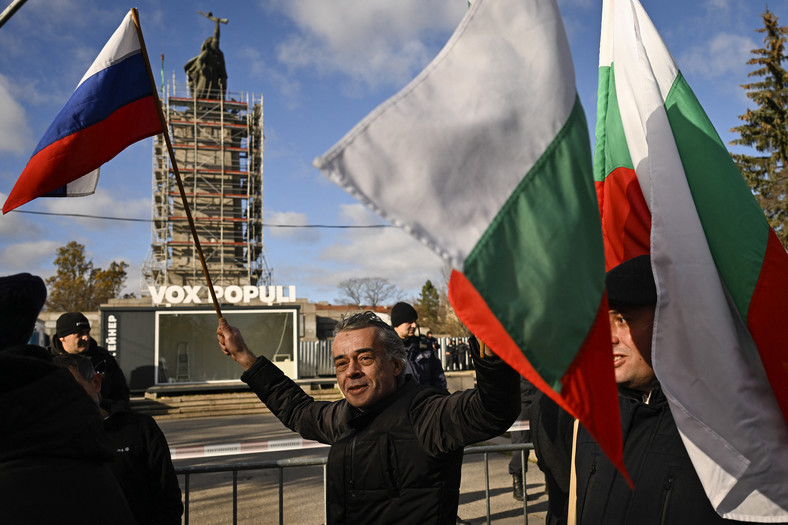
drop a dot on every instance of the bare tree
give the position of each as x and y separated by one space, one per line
379 291
352 291
368 291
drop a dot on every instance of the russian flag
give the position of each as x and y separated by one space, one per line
113 106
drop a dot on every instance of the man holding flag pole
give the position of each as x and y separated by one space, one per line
503 138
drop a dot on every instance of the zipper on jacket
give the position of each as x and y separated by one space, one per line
579 512
351 483
668 488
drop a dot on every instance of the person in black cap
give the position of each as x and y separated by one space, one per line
53 451
666 487
72 336
423 362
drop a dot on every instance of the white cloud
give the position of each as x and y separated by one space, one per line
290 218
386 252
358 214
103 204
375 252
15 134
31 256
15 225
721 55
375 42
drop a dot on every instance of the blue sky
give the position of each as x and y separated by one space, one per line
321 66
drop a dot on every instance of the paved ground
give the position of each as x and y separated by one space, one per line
258 495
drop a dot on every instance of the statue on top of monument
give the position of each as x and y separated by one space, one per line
206 73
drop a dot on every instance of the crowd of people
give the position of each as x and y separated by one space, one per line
67 432
396 437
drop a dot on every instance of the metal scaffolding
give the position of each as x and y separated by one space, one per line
218 146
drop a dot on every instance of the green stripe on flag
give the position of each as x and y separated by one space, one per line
610 150
734 224
540 265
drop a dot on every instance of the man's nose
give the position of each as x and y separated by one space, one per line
353 368
613 333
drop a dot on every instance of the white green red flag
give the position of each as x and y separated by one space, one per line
493 128
667 184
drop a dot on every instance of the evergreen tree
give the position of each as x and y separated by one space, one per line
429 304
78 286
765 128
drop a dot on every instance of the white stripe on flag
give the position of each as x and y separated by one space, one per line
123 42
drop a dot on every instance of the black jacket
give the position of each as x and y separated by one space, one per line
143 468
114 389
53 451
400 461
667 488
425 365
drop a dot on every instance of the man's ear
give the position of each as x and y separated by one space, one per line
96 381
397 367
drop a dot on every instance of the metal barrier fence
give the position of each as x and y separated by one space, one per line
282 464
315 358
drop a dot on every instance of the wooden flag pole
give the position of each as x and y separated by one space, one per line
175 170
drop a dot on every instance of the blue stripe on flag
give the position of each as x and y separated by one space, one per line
125 81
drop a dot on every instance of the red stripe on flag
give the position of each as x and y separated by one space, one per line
589 386
626 219
71 157
766 318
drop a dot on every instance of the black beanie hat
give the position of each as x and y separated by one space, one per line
21 298
403 313
71 322
631 283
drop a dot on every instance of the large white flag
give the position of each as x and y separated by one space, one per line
722 276
485 157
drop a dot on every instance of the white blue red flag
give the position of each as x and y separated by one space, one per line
113 106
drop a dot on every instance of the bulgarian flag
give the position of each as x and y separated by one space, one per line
667 185
485 158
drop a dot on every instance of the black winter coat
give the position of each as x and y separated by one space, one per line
144 468
53 451
400 461
667 488
424 362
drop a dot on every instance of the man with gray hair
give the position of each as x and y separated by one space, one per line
396 446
